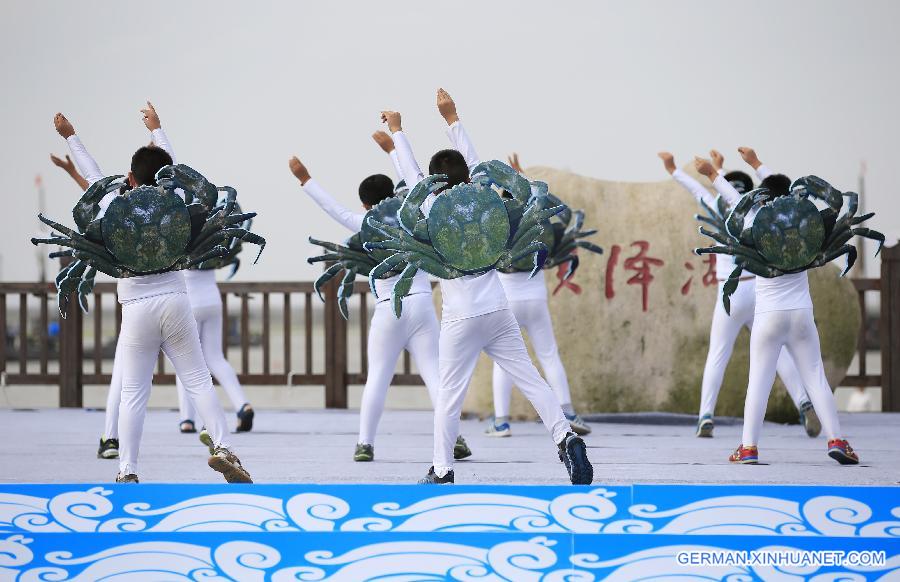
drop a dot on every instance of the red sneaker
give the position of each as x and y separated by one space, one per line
745 455
840 451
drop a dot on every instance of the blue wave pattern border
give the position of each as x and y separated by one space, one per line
352 556
789 511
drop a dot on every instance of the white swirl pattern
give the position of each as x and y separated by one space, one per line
358 509
533 559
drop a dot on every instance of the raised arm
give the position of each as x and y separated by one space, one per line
722 186
385 142
85 162
68 166
699 193
455 130
749 156
409 167
159 137
352 221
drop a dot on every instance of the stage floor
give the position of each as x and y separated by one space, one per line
59 446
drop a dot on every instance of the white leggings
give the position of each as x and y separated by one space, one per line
161 322
497 334
209 326
416 330
533 316
722 335
795 331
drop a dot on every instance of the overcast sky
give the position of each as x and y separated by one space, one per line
594 87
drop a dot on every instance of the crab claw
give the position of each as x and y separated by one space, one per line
408 215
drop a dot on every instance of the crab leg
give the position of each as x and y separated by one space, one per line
826 258
572 261
870 234
85 287
385 266
345 290
329 274
401 289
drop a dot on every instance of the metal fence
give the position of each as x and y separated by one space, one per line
33 356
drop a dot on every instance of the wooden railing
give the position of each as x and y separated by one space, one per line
34 357
322 338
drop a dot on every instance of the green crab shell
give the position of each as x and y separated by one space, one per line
147 230
386 213
788 232
469 227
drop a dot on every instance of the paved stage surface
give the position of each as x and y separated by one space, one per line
54 446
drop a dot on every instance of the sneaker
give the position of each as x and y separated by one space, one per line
227 463
109 449
840 451
206 439
745 455
245 418
578 425
461 450
497 430
573 453
705 426
187 427
810 420
364 453
432 479
129 478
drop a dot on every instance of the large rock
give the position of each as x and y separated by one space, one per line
622 357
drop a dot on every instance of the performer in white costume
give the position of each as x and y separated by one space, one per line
416 330
784 310
475 317
725 328
156 315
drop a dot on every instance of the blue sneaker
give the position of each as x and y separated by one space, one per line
579 426
498 430
705 426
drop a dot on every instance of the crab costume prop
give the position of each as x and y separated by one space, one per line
789 234
470 229
146 230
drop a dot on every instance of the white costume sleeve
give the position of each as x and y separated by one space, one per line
409 167
694 187
85 162
395 160
461 143
350 220
726 190
763 172
161 140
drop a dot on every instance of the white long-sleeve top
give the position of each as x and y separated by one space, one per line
724 263
519 286
353 221
130 288
467 296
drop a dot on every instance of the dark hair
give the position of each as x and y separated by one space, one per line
452 163
146 162
777 184
741 181
375 188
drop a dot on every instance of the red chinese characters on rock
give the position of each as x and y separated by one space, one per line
640 263
566 283
709 276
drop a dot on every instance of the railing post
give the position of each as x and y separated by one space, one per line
71 351
890 329
335 349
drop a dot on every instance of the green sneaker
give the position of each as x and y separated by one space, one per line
810 420
461 450
109 449
705 426
207 440
364 453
